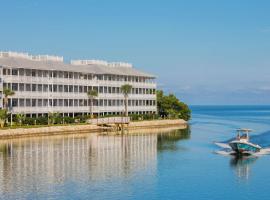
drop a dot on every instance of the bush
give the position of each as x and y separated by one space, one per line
42 120
68 120
29 121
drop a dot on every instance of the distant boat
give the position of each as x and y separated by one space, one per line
242 145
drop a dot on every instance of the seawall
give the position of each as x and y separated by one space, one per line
73 129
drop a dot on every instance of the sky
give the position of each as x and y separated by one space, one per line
206 52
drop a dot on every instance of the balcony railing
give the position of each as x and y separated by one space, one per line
77 109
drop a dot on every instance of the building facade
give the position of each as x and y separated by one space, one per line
44 84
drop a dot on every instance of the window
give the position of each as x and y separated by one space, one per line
34 103
60 74
100 89
45 88
28 102
28 87
81 102
15 86
70 88
54 88
39 73
33 72
55 102
70 102
45 102
80 89
65 74
65 88
21 102
39 87
70 75
28 72
21 87
60 102
65 102
34 87
45 73
75 88
60 88
39 102
14 102
15 72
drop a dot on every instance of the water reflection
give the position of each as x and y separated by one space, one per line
242 165
34 165
168 141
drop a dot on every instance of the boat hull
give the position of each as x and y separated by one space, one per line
244 148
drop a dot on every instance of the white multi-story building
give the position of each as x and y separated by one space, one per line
44 84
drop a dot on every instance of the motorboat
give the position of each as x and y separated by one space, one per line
242 145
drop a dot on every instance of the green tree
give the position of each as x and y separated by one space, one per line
3 117
7 93
170 106
126 89
92 94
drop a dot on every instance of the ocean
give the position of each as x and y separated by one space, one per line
152 164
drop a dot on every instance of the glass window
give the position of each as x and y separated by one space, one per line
14 72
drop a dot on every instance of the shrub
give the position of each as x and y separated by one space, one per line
68 120
29 121
42 120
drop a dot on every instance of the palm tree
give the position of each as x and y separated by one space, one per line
7 93
126 89
92 94
20 117
52 117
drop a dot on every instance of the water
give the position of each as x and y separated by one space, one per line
154 164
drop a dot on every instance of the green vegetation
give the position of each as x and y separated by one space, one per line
92 94
3 117
126 89
171 107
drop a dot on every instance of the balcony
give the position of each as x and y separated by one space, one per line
77 109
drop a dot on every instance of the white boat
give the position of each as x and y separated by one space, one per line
242 145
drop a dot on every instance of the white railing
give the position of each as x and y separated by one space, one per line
84 109
94 82
110 120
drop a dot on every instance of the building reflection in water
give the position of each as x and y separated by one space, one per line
242 165
34 164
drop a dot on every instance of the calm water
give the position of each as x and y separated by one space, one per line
161 164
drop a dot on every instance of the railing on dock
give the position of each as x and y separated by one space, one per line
109 120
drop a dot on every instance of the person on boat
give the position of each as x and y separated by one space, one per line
238 136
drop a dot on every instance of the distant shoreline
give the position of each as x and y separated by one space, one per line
88 128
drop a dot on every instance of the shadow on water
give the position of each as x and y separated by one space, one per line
168 141
242 165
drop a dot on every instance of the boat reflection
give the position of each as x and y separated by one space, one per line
242 165
37 163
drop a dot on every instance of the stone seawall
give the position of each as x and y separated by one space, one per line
73 129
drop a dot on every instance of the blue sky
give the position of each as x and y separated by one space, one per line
207 52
